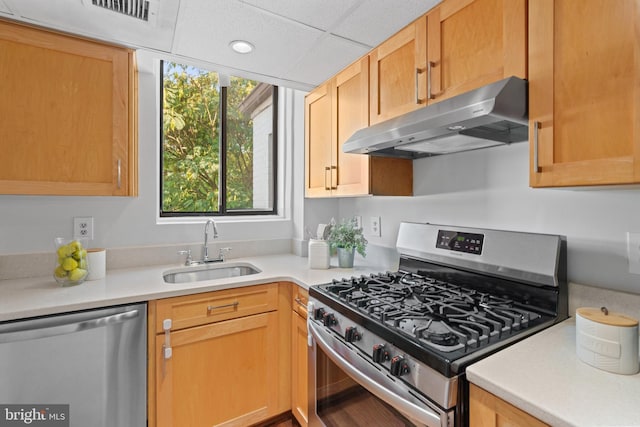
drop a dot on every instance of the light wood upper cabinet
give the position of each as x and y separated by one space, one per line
68 115
584 92
351 114
398 73
472 43
333 112
319 141
487 410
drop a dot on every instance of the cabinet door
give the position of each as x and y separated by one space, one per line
398 73
487 410
351 99
222 374
584 96
475 42
299 363
319 141
68 115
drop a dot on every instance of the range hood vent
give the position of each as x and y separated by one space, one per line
138 9
492 115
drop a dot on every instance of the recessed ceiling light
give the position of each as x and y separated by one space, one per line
241 46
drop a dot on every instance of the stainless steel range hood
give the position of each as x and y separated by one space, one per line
495 114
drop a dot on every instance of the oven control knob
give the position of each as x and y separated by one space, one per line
399 366
329 319
318 314
351 334
380 353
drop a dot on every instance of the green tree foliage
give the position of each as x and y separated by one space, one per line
191 145
239 147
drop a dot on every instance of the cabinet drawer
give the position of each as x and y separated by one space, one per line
200 309
300 300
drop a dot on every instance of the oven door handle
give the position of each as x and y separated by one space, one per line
409 409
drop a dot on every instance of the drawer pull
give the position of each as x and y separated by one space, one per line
215 307
300 303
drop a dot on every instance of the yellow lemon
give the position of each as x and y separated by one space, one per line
77 274
60 272
80 254
70 264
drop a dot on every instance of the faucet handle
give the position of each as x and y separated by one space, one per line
186 252
222 252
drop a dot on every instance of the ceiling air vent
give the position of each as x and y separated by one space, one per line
134 8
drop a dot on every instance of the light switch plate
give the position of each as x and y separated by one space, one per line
633 252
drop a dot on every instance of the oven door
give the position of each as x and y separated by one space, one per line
345 389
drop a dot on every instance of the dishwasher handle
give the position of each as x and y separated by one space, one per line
67 328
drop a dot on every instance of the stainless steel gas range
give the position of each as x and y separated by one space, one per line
390 349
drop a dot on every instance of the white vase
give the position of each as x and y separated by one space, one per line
345 257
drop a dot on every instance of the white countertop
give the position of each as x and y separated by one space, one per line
543 376
37 296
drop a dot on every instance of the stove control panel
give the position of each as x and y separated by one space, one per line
458 241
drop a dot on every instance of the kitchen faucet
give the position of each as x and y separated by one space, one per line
205 249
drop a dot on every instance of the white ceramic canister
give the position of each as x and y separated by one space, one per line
607 341
318 254
97 262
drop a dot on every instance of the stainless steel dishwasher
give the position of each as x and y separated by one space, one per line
94 361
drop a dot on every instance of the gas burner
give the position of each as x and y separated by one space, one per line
438 314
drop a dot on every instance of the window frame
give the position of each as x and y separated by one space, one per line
222 179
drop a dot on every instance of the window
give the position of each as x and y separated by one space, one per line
219 140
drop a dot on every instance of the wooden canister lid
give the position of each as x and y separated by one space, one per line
602 315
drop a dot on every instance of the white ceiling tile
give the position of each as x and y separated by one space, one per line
298 42
207 26
330 55
319 14
376 20
80 17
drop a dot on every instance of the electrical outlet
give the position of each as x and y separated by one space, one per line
633 252
358 220
83 227
374 226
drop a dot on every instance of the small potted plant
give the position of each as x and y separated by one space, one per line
347 237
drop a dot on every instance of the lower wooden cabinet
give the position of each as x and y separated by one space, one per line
487 410
299 351
230 371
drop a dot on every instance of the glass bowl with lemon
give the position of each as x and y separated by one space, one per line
71 265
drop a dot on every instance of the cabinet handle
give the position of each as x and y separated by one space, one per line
418 72
300 303
215 307
536 161
430 65
119 173
326 169
167 351
334 180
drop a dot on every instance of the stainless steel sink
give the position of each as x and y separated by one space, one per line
208 272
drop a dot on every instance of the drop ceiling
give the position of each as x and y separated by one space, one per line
298 43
